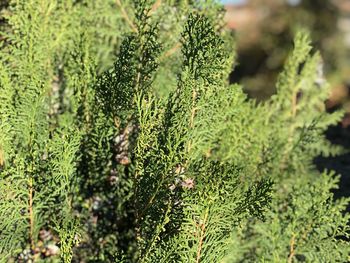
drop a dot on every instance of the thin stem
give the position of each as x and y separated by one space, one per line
126 16
193 111
156 5
294 104
31 193
159 229
137 85
155 193
2 157
291 131
201 237
31 214
292 250
171 51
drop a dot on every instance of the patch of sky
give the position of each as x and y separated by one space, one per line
294 2
240 2
235 2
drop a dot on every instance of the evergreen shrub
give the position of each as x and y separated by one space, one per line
156 157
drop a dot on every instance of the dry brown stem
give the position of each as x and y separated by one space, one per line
126 16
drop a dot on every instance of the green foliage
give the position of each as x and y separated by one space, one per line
158 158
303 226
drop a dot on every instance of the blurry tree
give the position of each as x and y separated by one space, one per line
264 35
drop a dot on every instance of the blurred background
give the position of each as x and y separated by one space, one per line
264 31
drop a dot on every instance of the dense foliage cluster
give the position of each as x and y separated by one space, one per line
155 157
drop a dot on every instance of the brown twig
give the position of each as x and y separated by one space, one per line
171 51
201 237
292 250
2 157
31 214
126 16
155 6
